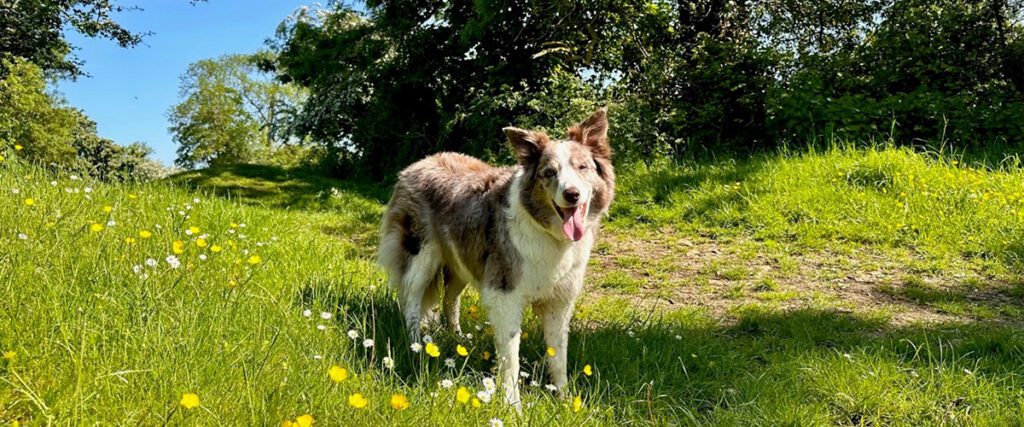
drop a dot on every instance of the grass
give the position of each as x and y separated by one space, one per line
759 330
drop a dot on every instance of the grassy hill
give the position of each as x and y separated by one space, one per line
841 287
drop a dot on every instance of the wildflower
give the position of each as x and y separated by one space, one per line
108 209
399 402
446 383
215 248
132 196
10 355
416 347
321 327
15 191
524 374
432 350
551 387
189 400
178 246
368 343
353 334
136 269
551 352
201 243
486 355
96 227
129 240
202 257
337 373
305 420
577 404
29 201
232 283
428 339
111 223
307 313
587 370
358 401
449 362
325 315
87 189
22 236
192 230
18 147
476 403
461 350
145 234
462 395
489 385
388 362
484 396
253 260
173 261
497 422
150 262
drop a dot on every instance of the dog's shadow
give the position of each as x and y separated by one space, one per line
683 365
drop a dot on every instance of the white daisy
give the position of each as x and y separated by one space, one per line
353 334
150 262
325 315
307 313
368 343
136 269
23 236
497 422
321 327
173 261
15 191
446 383
416 347
489 385
388 362
449 362
551 387
202 257
484 396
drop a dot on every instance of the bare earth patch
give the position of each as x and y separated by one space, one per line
664 268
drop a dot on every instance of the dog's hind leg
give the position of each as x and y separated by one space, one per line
419 276
431 297
453 287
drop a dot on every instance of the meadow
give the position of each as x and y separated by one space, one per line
841 286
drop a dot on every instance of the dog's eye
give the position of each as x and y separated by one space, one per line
584 167
548 173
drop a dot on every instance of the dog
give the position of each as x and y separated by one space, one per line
521 235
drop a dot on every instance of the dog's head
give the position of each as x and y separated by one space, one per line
566 184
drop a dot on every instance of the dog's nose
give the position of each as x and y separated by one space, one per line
571 194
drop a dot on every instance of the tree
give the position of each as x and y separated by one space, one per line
34 119
231 111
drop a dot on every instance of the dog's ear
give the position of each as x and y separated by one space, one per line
528 144
593 132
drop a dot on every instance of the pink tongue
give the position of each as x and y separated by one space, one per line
572 224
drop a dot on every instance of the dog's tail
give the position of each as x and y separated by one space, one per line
399 240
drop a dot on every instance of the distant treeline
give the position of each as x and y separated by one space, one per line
392 81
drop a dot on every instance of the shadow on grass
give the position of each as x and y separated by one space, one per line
276 187
764 366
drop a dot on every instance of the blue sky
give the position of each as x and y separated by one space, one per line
130 90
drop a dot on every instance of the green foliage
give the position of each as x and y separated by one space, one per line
231 112
407 79
49 132
34 119
35 30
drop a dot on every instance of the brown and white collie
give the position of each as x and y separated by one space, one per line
521 235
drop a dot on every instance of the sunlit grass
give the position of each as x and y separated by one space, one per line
111 325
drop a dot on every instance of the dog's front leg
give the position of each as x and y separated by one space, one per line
505 310
554 316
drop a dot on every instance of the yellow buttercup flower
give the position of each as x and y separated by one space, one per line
337 373
178 247
305 420
96 227
201 243
215 248
10 355
587 370
253 260
129 240
232 283
358 401
108 209
189 400
399 402
577 404
462 395
194 229
145 234
18 147
132 196
461 350
476 403
487 355
432 349
551 352
29 201
288 423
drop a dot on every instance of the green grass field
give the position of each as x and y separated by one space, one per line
849 287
